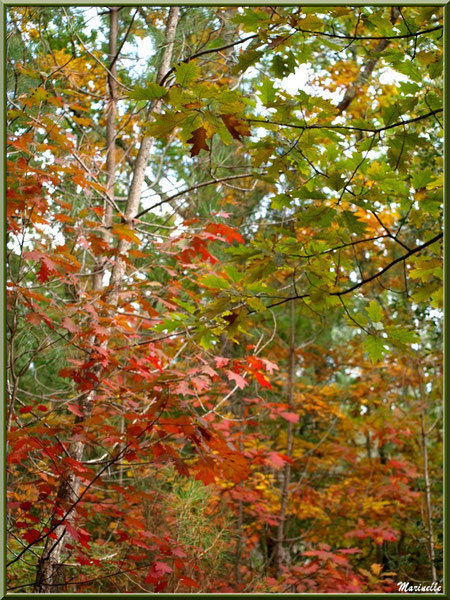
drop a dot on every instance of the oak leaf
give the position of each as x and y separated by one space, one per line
237 127
198 141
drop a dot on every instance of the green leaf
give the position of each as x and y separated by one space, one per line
165 124
374 346
336 181
186 73
422 178
401 337
189 307
390 114
281 201
251 18
351 221
234 274
267 91
436 68
214 281
375 311
206 339
256 304
246 59
152 91
219 127
426 268
283 66
191 123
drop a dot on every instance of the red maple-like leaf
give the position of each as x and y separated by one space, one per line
238 379
292 417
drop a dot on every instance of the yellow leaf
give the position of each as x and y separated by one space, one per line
376 568
436 183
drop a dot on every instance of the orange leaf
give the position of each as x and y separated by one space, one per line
125 233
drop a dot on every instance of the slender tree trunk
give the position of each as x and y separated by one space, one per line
134 196
240 519
49 565
426 475
290 437
111 112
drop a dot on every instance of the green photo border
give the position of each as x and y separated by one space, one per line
4 6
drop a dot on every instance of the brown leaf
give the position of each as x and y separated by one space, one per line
198 141
237 127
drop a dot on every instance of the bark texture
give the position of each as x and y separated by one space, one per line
366 71
290 438
134 196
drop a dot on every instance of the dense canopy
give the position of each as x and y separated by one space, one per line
224 299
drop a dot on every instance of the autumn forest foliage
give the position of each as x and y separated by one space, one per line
224 299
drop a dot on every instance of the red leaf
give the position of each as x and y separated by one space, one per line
161 585
225 231
238 379
201 383
221 361
209 371
270 366
179 552
188 582
162 567
205 474
34 255
47 268
350 551
25 409
277 460
72 531
75 409
262 380
66 372
292 417
68 324
31 535
184 389
396 464
82 560
33 318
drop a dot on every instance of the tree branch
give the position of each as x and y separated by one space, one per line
191 189
357 38
350 127
368 279
210 51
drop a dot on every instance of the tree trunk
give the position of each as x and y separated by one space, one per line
426 475
134 197
290 430
110 139
240 519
